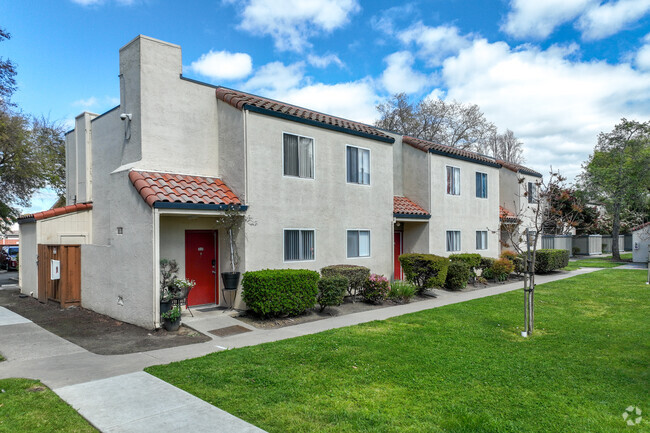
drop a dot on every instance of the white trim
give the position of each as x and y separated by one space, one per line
156 268
460 186
313 154
487 185
345 161
369 243
299 230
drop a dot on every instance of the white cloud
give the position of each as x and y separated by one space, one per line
435 43
86 103
324 61
555 105
275 78
642 59
605 20
399 76
223 65
538 18
385 20
293 22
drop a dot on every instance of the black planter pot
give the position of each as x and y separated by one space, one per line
165 306
230 280
172 325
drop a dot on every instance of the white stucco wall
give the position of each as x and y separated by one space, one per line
327 204
69 229
512 198
28 260
465 212
640 243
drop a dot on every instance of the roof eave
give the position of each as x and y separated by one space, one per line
197 206
464 158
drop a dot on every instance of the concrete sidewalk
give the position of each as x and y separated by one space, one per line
113 393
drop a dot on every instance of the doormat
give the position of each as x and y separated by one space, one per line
229 330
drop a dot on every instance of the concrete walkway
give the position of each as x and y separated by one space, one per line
113 393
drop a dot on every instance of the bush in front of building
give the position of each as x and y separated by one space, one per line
516 259
425 270
375 289
458 274
473 260
500 270
486 263
547 260
401 291
279 292
356 275
331 291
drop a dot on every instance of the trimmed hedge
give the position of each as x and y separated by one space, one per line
278 292
458 275
425 270
549 260
486 263
356 275
472 260
331 291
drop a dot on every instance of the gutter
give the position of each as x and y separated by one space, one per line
197 206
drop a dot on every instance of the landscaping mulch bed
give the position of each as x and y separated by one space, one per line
95 332
348 307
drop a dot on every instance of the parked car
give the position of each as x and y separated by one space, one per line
9 257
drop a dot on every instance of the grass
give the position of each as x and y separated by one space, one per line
29 406
598 262
458 368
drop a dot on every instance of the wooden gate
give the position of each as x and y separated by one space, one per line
66 290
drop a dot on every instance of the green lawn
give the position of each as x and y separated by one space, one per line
458 368
28 406
598 262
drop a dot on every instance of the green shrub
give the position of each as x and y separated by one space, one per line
331 291
457 275
507 254
356 275
550 260
472 260
499 270
401 291
424 270
486 263
375 289
276 292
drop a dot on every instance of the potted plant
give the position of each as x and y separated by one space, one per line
168 270
231 221
181 288
172 319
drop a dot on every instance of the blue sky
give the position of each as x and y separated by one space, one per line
556 72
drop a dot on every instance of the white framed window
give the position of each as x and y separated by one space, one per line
453 180
358 243
532 192
453 240
357 165
481 239
298 156
481 185
298 245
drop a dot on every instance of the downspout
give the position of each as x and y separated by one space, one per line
429 186
156 268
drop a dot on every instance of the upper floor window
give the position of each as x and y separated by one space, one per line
481 185
453 240
358 165
298 245
532 192
453 180
298 156
358 243
481 240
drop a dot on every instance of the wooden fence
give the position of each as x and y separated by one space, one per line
66 290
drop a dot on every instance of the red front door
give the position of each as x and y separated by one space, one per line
201 266
398 250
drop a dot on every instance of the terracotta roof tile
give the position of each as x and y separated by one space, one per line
427 146
405 206
641 226
58 211
240 100
180 188
518 168
506 215
12 242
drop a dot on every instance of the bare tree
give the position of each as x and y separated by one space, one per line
450 123
506 147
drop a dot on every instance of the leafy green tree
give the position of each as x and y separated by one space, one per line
32 150
617 174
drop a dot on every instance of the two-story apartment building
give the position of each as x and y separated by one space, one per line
149 179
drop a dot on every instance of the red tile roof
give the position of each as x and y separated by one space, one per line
518 168
641 226
427 146
405 206
241 100
180 188
58 211
8 242
506 215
